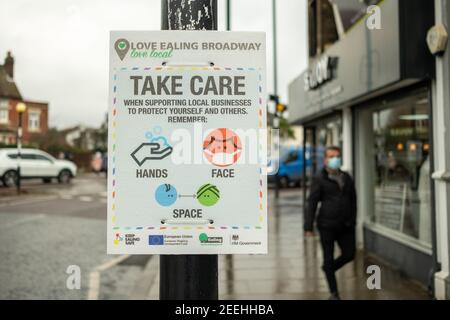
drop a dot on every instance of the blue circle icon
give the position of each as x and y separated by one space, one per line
166 195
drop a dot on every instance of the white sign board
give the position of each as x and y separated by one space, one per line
187 143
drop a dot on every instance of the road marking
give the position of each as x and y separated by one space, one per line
85 198
94 276
22 221
94 285
28 201
66 197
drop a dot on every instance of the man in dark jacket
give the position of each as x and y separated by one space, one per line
336 221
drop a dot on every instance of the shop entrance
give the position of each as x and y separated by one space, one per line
319 135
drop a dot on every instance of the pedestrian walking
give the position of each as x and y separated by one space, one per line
96 163
335 190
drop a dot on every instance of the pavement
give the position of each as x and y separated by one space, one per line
292 269
51 227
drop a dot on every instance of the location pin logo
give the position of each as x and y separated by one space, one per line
122 46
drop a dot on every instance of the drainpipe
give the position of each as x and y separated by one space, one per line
441 175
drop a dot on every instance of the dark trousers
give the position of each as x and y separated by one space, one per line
345 238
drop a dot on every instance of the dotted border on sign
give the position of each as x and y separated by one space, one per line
113 118
262 208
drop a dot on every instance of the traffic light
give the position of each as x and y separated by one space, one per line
274 97
281 108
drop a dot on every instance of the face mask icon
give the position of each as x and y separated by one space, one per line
223 159
222 147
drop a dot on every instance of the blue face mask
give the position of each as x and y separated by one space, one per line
335 163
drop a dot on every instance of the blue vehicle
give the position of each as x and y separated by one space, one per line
290 171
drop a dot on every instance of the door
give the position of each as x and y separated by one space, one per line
46 166
28 166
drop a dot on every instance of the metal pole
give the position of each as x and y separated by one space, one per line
19 152
188 277
276 125
275 82
274 32
228 15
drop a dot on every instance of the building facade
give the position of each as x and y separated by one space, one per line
34 119
373 90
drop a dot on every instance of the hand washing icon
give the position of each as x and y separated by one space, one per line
157 148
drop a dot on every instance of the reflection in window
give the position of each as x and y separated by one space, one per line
402 168
319 136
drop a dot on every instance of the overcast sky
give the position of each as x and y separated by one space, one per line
52 42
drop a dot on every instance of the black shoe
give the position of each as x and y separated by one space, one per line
334 296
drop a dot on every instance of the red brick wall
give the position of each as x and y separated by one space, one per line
28 137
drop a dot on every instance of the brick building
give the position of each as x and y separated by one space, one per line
35 118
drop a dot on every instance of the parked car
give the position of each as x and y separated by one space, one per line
291 164
34 164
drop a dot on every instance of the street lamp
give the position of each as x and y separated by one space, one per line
20 108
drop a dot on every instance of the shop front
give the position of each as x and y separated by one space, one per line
371 94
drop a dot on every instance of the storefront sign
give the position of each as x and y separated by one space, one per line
369 61
320 72
187 122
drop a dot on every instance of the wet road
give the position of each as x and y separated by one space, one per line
52 227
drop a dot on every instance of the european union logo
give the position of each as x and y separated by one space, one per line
156 240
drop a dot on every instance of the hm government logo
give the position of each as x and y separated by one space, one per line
205 239
234 239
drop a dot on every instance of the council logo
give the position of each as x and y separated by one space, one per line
205 239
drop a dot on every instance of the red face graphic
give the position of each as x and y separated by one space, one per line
222 147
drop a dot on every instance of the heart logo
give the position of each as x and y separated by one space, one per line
122 46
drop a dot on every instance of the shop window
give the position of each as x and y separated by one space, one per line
321 25
396 170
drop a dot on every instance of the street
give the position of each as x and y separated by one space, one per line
51 227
